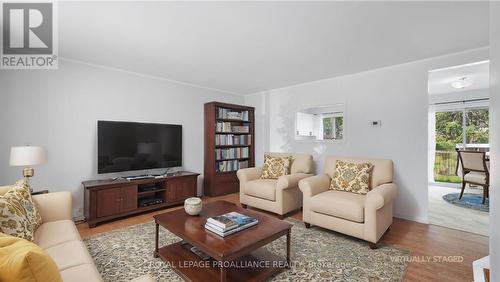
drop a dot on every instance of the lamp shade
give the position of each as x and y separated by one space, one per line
27 155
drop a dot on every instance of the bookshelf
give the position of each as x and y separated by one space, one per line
229 146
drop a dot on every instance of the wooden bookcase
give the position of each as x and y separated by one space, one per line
220 172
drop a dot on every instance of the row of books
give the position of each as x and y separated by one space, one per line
229 223
224 166
223 113
228 127
231 153
230 139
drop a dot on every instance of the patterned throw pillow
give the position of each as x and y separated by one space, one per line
18 214
352 177
275 167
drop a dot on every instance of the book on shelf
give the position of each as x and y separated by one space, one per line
228 127
232 165
230 139
231 153
223 113
229 223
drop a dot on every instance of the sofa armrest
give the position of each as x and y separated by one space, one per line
291 180
381 195
314 185
54 206
249 174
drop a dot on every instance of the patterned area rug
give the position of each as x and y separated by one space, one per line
317 255
469 200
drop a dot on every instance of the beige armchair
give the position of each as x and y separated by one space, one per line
363 216
279 196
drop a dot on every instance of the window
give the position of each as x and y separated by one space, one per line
320 123
333 126
458 126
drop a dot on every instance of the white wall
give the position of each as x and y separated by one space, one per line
396 95
59 111
495 139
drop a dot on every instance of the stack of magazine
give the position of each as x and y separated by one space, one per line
229 223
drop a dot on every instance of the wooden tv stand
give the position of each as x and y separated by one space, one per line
105 200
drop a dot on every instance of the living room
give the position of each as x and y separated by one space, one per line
124 73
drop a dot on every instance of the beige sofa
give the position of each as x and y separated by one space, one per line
363 216
59 237
280 195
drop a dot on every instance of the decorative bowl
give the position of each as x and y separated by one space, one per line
193 206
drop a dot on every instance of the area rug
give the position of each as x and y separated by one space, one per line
469 200
317 255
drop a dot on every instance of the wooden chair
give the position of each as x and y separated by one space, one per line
474 171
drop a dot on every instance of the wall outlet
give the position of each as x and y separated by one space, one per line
376 123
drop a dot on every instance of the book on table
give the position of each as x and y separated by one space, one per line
229 223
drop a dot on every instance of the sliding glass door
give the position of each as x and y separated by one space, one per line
457 128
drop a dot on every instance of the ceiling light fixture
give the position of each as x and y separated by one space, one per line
462 82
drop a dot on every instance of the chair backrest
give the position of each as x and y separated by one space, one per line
473 160
302 163
382 169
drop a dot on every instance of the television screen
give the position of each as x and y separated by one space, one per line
125 146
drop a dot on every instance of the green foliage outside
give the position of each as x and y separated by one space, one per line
449 133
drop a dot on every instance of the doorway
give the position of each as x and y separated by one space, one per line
458 120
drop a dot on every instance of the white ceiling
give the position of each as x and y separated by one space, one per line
246 47
478 73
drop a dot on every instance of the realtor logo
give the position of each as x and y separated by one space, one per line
28 36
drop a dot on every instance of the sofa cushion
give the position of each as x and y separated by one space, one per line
69 254
56 232
476 177
275 167
351 177
261 188
340 204
23 261
83 272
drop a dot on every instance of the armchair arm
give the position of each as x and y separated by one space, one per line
381 195
54 206
314 185
249 174
291 180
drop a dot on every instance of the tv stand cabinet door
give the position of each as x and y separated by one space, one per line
108 202
129 198
179 189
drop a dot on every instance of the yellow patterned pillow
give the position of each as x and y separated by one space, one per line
275 167
18 214
351 177
23 261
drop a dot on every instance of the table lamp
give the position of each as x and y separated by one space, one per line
27 156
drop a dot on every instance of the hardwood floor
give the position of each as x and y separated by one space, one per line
430 244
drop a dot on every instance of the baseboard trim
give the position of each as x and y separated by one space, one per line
413 218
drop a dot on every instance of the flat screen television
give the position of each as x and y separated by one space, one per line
127 146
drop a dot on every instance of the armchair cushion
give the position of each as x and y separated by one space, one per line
248 174
261 188
351 177
340 204
380 196
314 185
291 180
300 163
275 167
476 177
